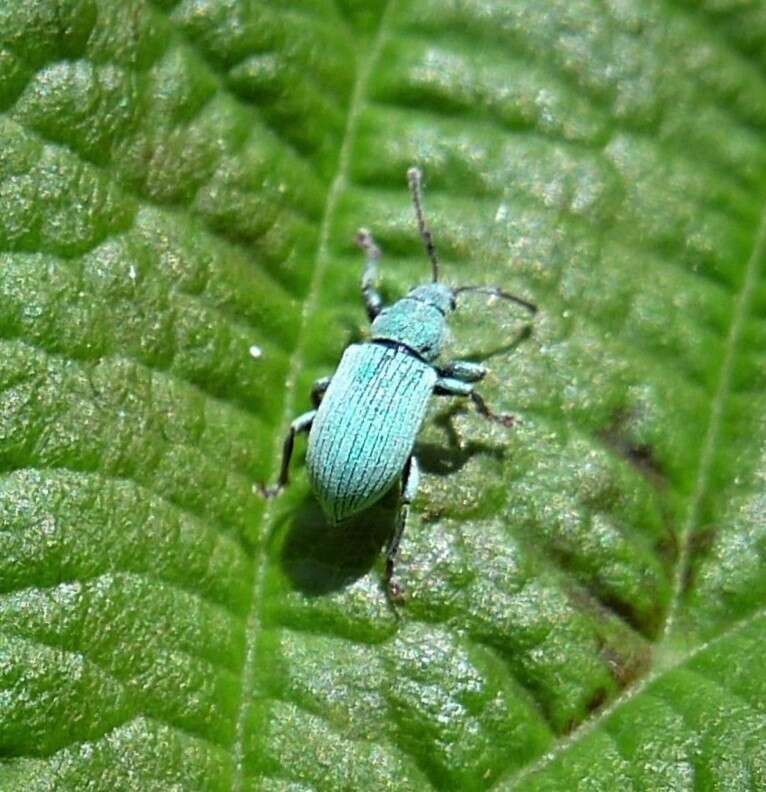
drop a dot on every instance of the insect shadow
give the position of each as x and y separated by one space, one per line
502 349
442 459
319 558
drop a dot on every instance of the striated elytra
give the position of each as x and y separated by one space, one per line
367 415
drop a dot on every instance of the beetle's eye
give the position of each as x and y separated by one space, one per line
453 303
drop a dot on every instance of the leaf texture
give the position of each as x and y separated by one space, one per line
180 183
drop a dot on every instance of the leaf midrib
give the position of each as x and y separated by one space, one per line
260 556
589 726
713 431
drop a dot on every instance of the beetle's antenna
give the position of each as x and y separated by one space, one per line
414 177
495 292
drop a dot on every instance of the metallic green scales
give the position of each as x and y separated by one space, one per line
365 427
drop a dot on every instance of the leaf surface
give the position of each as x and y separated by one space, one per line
180 183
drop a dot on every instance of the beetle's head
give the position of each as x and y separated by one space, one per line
418 320
437 295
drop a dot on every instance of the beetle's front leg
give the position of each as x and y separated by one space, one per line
463 370
410 481
301 424
373 302
450 386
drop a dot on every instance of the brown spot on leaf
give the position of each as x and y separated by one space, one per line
640 455
598 697
626 668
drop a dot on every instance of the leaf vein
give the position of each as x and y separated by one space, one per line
364 71
715 421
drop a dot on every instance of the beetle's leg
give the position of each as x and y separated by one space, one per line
301 424
449 386
463 370
373 302
318 390
410 481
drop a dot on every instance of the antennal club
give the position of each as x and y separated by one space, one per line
414 178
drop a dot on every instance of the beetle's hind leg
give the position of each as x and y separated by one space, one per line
301 424
373 302
410 481
452 386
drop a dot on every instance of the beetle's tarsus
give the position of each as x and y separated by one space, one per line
363 239
394 590
269 492
395 596
505 419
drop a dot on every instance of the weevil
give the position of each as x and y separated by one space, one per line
367 415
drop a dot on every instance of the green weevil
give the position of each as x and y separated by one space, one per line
367 415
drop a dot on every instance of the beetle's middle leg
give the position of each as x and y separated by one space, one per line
373 302
452 386
318 390
463 370
301 424
410 481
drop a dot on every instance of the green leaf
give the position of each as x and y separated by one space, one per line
179 187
